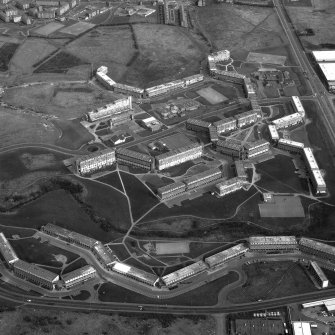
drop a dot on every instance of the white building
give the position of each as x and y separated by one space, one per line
301 328
291 146
78 276
7 251
274 135
229 186
279 243
298 107
288 121
319 275
324 55
328 71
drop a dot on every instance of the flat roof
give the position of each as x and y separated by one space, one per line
198 122
202 175
35 270
328 70
297 103
287 118
134 272
179 151
272 240
226 254
324 55
84 271
301 328
171 187
318 178
6 250
134 154
308 153
230 182
326 248
294 144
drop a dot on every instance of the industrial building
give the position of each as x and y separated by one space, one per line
298 107
105 112
288 120
225 125
291 146
78 276
257 148
69 236
226 255
229 186
103 255
134 273
7 251
274 135
318 249
129 90
273 243
316 177
172 190
246 118
178 156
213 134
202 178
176 277
95 161
198 125
35 274
134 158
318 274
230 148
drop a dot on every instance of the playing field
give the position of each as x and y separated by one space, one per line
211 95
256 57
172 248
77 28
176 141
282 207
48 29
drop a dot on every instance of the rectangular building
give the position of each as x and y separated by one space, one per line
69 236
240 170
226 255
129 90
229 76
273 243
256 148
202 178
310 159
274 135
319 275
7 251
172 190
328 72
134 158
317 248
164 88
35 274
225 125
176 277
324 55
297 105
178 156
103 255
246 118
198 125
79 276
105 80
288 121
197 78
105 112
230 148
292 146
95 161
213 134
229 186
134 273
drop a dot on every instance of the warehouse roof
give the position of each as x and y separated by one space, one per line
324 55
6 250
226 254
36 271
328 70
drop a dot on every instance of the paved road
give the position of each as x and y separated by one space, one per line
318 89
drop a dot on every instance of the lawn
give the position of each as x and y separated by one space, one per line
7 51
112 179
141 198
120 251
203 296
270 280
33 250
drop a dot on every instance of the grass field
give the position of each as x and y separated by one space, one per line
211 95
120 251
74 135
179 170
272 280
33 251
48 28
154 181
203 296
140 197
7 51
113 180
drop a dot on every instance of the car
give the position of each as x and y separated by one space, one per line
28 300
140 308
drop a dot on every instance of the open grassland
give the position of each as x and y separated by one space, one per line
33 250
30 52
320 18
7 51
113 180
63 100
241 29
38 322
269 280
17 127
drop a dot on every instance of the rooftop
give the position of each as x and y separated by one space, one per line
272 240
84 271
328 70
231 252
324 55
134 272
317 245
6 250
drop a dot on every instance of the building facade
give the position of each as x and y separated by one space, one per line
225 125
257 148
288 121
7 251
202 178
229 186
172 190
318 274
291 146
78 276
134 158
198 125
273 243
274 135
230 148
